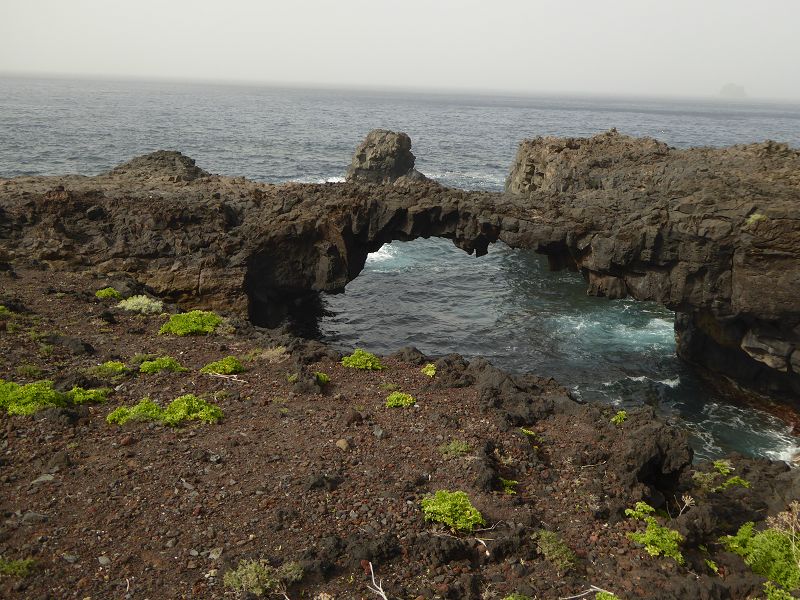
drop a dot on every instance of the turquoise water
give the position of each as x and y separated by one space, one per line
505 306
508 307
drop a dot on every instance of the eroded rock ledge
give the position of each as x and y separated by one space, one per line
713 234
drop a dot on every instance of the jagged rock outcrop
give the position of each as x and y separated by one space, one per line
383 157
711 233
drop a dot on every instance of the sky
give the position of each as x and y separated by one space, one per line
617 47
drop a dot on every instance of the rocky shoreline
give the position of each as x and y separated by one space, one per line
703 231
323 473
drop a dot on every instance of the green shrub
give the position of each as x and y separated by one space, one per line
145 410
258 577
183 408
731 481
707 481
361 359
723 466
142 304
163 363
322 379
196 322
78 395
292 377
399 400
619 418
773 592
770 553
30 398
656 539
429 369
229 365
4 313
554 550
109 370
455 448
517 596
190 408
16 568
452 509
108 293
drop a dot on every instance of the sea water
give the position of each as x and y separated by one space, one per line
505 306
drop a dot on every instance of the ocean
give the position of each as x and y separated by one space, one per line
505 306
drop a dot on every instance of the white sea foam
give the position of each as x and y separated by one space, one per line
318 180
386 252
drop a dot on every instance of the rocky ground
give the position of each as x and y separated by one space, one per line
328 476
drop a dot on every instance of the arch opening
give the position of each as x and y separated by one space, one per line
511 308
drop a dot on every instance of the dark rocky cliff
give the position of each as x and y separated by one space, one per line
713 234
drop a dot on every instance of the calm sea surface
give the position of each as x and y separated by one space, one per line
506 305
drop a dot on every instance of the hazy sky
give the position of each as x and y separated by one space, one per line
651 47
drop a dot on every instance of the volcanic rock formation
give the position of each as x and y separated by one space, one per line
710 233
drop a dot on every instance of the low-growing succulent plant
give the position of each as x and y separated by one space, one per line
142 304
184 408
452 509
196 322
361 359
399 400
162 363
108 293
229 365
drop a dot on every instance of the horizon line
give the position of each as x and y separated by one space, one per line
352 87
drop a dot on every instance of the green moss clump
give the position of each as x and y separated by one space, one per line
429 369
452 509
321 378
258 577
142 304
190 408
196 322
605 596
517 596
361 359
656 539
108 293
455 448
554 550
229 365
770 553
30 398
145 410
16 568
79 395
620 417
163 363
183 408
399 400
110 370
